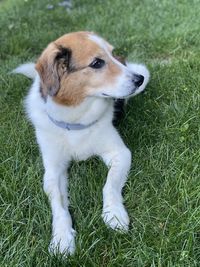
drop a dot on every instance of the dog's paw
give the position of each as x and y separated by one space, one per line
63 242
116 217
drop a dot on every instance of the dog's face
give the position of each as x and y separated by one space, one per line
81 64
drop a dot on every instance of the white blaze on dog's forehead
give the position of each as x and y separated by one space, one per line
98 40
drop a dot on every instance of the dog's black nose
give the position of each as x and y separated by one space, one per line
138 80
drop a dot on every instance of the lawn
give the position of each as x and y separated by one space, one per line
161 128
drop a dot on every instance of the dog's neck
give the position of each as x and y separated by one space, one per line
90 110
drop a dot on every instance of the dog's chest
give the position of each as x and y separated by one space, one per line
80 144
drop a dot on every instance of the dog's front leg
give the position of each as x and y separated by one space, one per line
62 231
118 159
55 186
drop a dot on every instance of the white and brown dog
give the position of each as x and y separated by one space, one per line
71 105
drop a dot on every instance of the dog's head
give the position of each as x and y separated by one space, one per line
81 64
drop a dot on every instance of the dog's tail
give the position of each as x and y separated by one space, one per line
27 69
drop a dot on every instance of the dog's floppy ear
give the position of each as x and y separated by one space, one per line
51 65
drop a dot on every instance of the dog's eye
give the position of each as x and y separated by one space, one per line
97 63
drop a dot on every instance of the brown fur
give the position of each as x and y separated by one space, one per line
71 87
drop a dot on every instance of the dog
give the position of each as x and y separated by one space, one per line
77 83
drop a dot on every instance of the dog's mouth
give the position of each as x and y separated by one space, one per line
121 97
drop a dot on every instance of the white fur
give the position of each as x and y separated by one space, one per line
27 69
59 147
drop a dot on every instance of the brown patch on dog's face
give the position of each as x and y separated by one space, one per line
66 70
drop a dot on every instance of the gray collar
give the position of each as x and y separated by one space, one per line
71 126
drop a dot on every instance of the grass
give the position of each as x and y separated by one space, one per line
161 128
